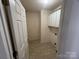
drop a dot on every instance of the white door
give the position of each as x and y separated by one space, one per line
18 21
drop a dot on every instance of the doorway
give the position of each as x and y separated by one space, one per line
48 24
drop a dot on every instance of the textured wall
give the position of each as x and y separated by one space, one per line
44 26
33 24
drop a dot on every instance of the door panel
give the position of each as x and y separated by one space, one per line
18 22
20 33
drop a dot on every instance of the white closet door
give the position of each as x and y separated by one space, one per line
58 13
50 20
54 18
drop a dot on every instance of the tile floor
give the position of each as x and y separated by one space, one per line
41 50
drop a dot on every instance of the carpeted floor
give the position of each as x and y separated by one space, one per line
41 50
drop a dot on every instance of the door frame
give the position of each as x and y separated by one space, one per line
6 30
10 26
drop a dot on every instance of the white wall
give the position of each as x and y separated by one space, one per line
47 33
69 38
38 26
33 24
44 26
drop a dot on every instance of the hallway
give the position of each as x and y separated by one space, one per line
39 29
41 50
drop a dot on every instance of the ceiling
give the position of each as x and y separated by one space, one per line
37 5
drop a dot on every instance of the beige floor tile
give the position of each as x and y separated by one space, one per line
41 50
